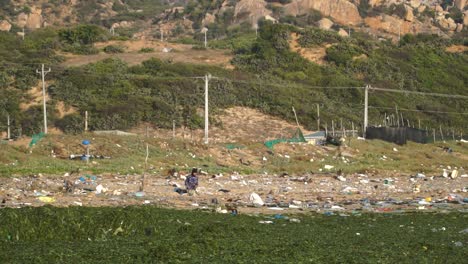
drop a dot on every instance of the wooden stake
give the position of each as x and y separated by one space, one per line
352 126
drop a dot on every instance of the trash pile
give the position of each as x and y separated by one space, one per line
327 193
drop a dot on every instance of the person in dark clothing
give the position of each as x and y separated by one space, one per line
191 182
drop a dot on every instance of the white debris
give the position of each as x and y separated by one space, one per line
341 178
265 222
100 189
328 167
395 149
255 199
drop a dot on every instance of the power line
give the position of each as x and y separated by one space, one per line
423 111
420 93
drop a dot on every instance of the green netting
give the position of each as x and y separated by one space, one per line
36 138
297 138
234 146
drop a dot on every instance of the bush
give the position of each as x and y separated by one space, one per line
71 124
113 49
146 50
342 53
314 37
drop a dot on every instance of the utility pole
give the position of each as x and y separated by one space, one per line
43 74
318 117
366 106
8 127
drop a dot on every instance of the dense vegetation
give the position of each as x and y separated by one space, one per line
149 235
269 77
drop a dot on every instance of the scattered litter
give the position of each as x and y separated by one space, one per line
341 178
265 222
276 208
140 194
328 167
256 200
46 199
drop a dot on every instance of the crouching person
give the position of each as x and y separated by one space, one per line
191 182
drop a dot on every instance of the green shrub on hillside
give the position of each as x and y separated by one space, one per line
71 124
112 49
312 37
343 53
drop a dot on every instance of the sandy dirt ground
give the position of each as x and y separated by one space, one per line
176 53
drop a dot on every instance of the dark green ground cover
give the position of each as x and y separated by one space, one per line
154 235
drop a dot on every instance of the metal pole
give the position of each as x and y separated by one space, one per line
206 41
86 121
8 127
333 127
318 117
43 74
352 126
366 106
173 128
397 116
162 35
207 79
441 134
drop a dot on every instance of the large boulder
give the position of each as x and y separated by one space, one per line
32 20
5 25
250 10
409 16
415 3
325 23
209 19
343 33
342 11
461 4
447 23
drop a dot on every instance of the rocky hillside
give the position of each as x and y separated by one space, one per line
148 18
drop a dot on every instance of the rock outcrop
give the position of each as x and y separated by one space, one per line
342 11
32 20
325 23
